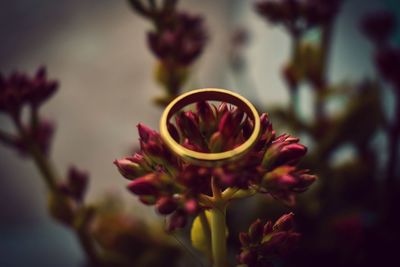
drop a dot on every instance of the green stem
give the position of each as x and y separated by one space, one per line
218 226
218 234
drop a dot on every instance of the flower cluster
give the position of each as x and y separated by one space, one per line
177 40
180 41
175 187
18 90
297 15
263 243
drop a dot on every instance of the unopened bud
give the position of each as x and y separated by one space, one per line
166 205
284 223
145 185
256 231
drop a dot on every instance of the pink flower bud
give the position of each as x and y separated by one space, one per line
129 169
191 206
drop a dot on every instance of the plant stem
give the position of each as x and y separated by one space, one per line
218 235
50 177
218 226
44 165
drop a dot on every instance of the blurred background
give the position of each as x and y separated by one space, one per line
97 50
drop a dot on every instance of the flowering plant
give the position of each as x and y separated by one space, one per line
180 189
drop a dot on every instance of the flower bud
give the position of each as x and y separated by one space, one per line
206 116
284 223
78 181
256 231
248 257
226 125
188 123
216 143
145 185
173 132
146 133
129 169
244 239
166 205
177 220
267 228
191 206
148 199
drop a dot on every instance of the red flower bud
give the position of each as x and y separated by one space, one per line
146 133
226 125
206 115
145 185
166 205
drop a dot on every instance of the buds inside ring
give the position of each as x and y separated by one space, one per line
211 94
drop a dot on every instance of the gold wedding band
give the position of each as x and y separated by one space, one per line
211 94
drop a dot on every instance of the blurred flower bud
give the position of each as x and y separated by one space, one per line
206 116
177 220
77 183
256 231
387 61
244 239
271 241
284 223
166 205
191 206
19 89
248 257
378 26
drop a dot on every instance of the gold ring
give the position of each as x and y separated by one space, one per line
209 159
